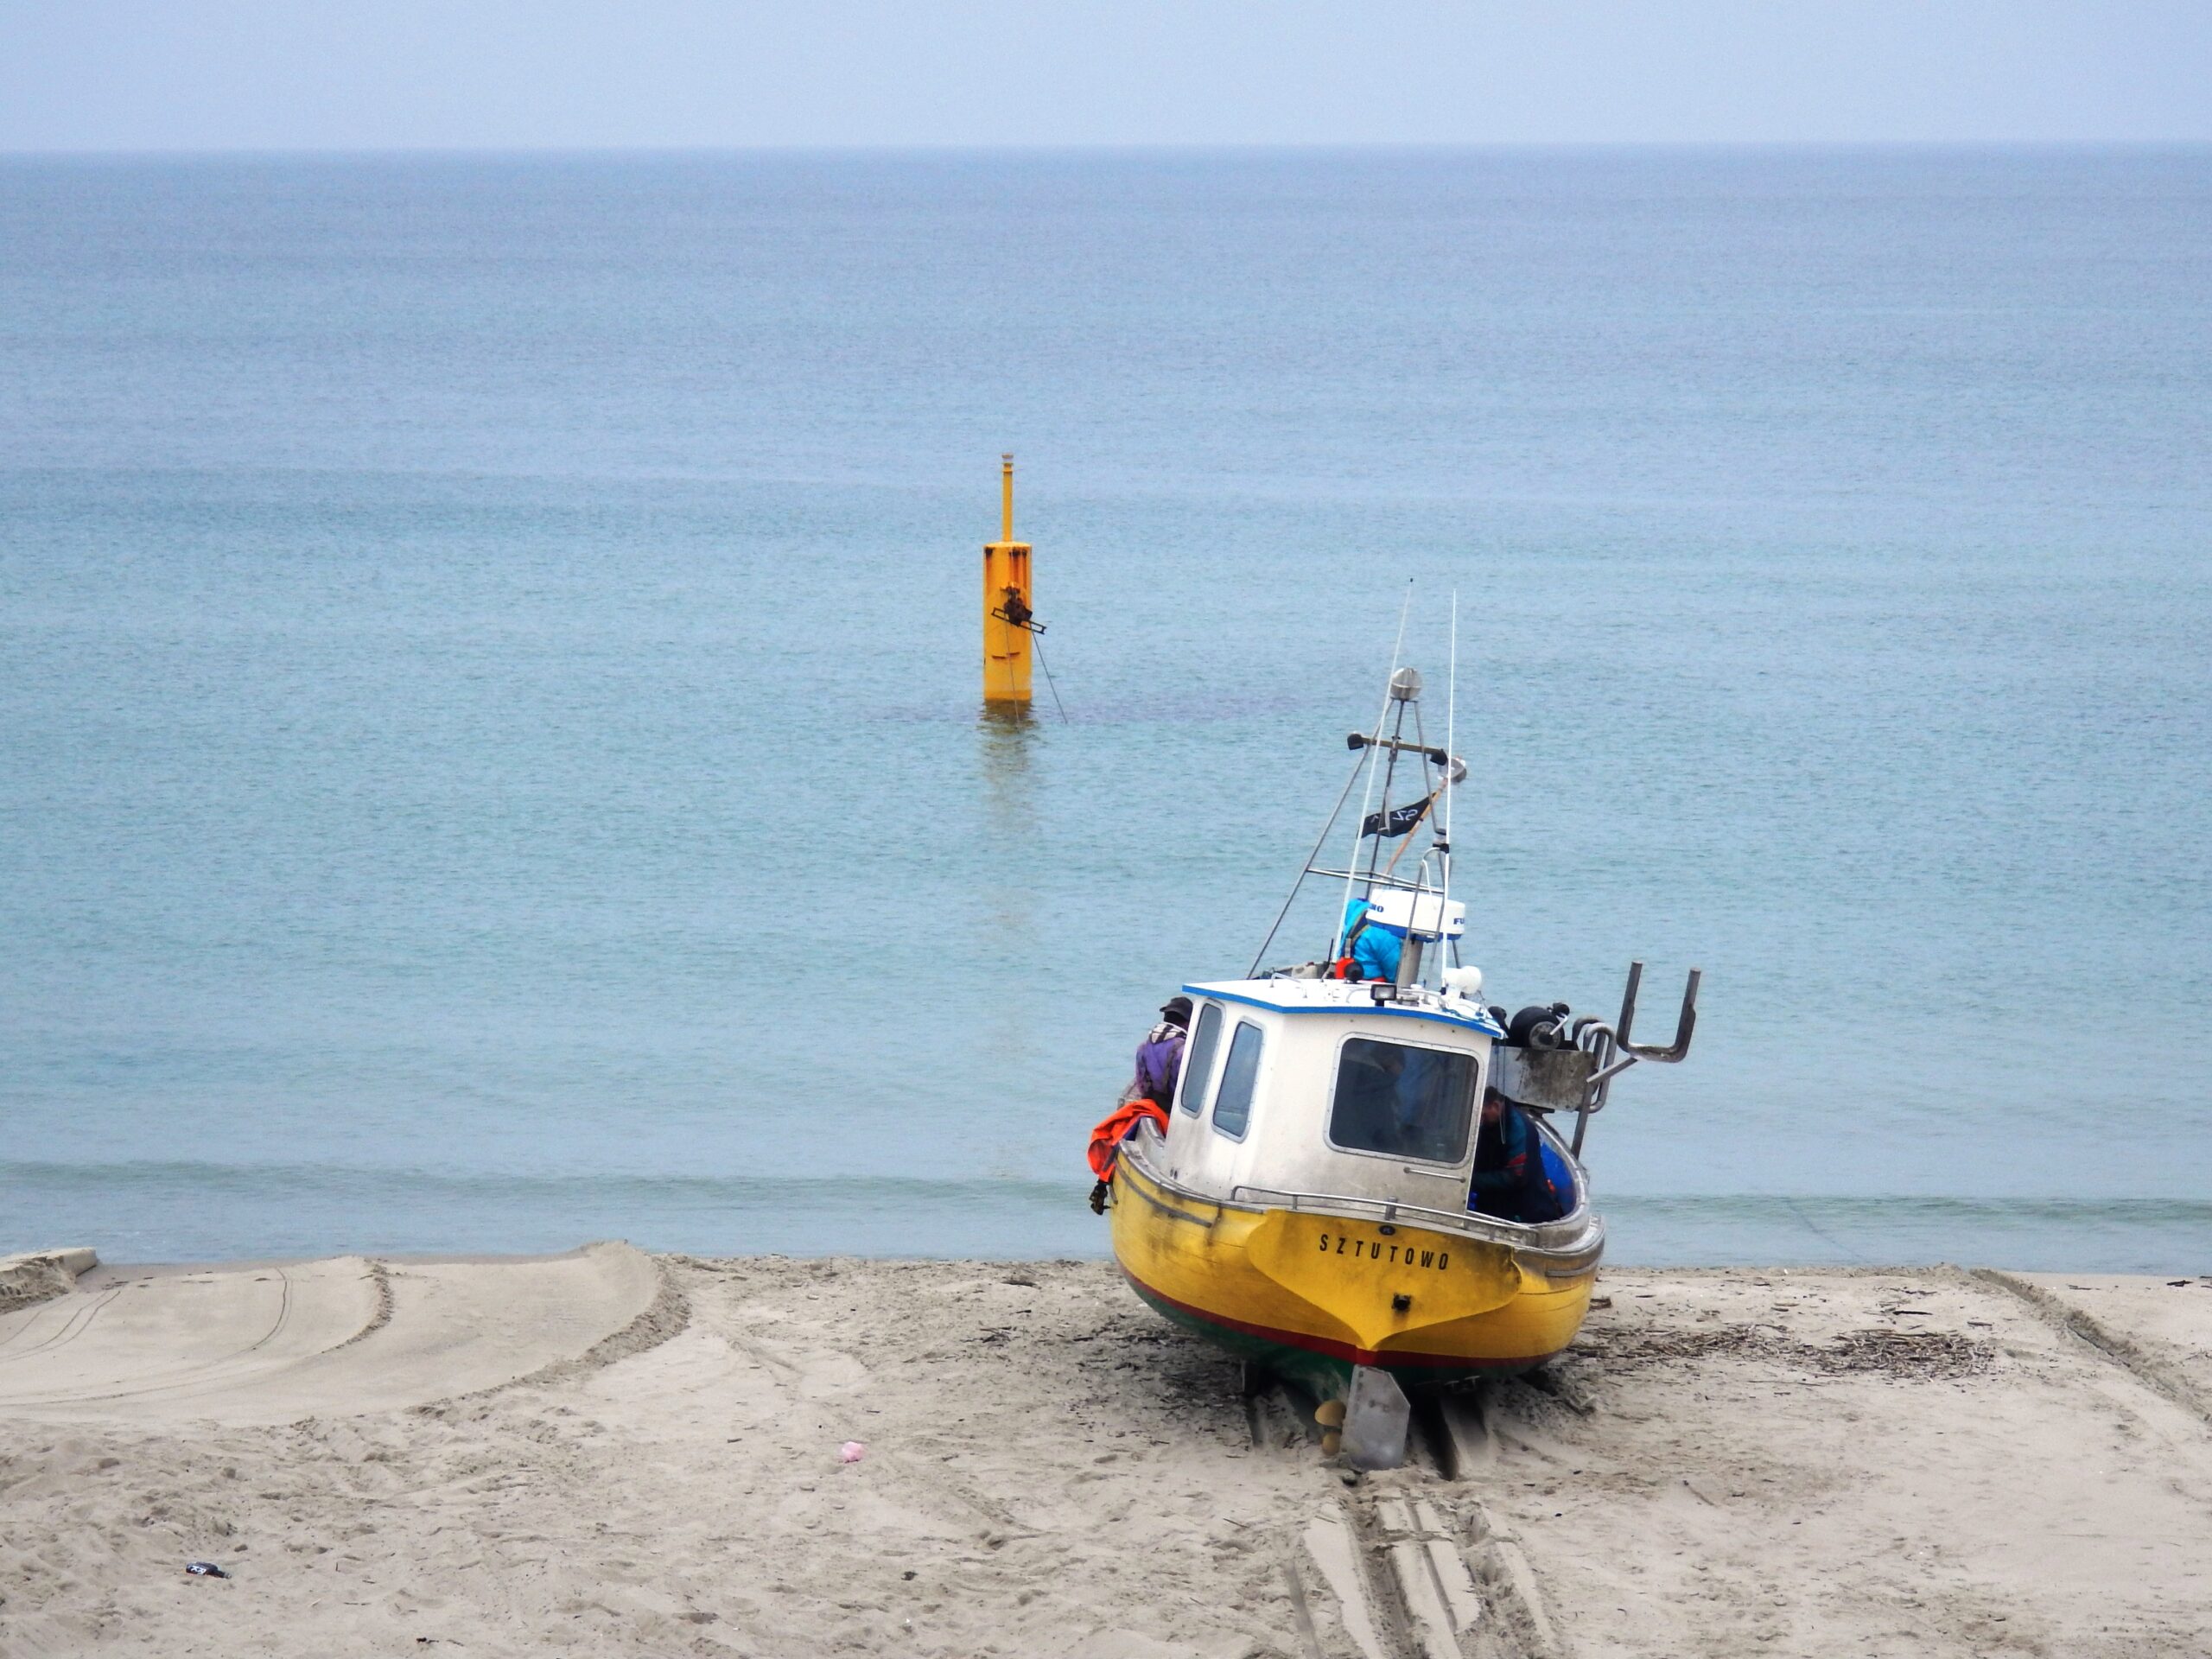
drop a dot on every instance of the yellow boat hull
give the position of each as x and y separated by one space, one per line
1310 1295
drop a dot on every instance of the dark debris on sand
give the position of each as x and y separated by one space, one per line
1922 1355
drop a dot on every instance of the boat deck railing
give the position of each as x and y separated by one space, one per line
1565 1246
1571 1234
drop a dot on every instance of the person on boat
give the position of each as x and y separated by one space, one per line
1159 1056
1150 1093
1511 1181
1371 1105
1370 950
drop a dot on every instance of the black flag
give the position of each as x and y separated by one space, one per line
1397 822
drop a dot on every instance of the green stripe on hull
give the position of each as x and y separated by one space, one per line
1323 1377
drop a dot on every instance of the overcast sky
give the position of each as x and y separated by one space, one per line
293 74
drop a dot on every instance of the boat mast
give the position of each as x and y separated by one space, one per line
1403 690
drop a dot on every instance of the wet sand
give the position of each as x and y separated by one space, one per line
612 1453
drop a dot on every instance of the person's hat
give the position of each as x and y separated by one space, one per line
1177 1009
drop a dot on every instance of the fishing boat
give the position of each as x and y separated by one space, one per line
1325 1200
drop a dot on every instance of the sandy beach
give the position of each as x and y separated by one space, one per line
616 1453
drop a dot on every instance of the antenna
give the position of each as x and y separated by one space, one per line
1450 739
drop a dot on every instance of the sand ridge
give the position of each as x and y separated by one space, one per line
276 1342
1728 1463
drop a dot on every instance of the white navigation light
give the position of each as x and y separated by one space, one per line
1464 982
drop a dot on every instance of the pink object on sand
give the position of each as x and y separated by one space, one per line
851 1452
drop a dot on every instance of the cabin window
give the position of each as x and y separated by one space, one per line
1232 1107
1404 1102
1198 1059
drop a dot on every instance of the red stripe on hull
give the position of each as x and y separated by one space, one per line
1333 1349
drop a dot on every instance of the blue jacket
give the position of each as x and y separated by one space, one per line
1511 1180
1376 949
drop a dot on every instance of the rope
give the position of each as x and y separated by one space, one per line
1352 864
1037 645
1358 766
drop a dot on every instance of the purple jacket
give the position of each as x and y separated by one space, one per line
1159 1061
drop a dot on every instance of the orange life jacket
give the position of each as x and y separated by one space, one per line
1115 1128
1347 966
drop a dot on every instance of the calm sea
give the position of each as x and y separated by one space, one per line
490 753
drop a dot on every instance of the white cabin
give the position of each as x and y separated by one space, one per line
1327 1090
